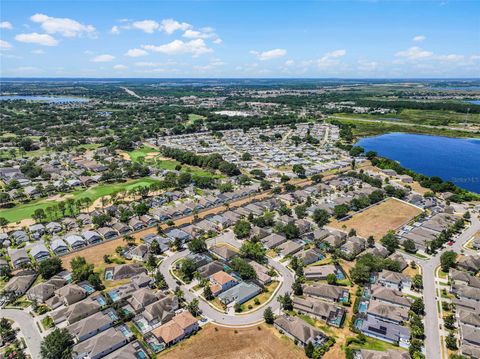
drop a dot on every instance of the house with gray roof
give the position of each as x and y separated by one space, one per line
102 344
389 296
327 312
19 284
387 312
39 252
18 257
309 256
299 330
92 237
273 240
58 246
92 325
289 248
75 241
43 291
240 293
386 331
327 292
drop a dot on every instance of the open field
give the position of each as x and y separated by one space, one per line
377 220
371 127
24 211
223 343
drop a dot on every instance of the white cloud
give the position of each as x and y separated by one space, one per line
170 26
27 69
115 30
205 33
419 38
64 26
414 53
103 58
4 45
364 65
136 53
195 47
35 38
289 63
120 67
270 54
331 58
148 26
38 52
6 25
450 57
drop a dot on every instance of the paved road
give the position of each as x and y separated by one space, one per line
432 332
28 328
223 318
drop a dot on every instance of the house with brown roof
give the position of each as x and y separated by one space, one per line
181 326
299 330
221 281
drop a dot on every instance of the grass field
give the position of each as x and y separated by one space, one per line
363 129
24 211
378 220
259 342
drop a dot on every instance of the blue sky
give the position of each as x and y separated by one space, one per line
359 39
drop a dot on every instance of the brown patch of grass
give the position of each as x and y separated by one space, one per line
378 220
249 343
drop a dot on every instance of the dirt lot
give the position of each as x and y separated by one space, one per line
378 220
248 343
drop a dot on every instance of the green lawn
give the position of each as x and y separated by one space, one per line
374 344
141 152
24 211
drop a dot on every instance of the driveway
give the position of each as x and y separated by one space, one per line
28 327
213 314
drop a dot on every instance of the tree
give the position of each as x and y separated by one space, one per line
417 281
49 267
207 293
340 210
331 278
3 223
467 215
297 287
237 307
371 241
309 348
187 269
418 307
193 307
268 315
285 301
81 270
448 260
246 156
371 155
356 151
301 211
409 246
39 215
197 245
57 345
242 229
449 321
299 170
160 281
321 217
390 241
451 342
242 268
253 250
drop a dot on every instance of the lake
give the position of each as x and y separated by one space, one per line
452 159
475 102
48 99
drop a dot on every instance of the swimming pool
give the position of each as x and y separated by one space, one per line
362 307
109 275
114 296
100 300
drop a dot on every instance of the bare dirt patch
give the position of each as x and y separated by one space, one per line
248 343
378 220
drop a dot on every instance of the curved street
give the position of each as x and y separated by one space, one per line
28 329
286 281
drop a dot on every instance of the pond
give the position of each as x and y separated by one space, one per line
452 159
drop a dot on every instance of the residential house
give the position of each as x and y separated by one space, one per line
389 296
43 291
240 293
18 257
107 232
327 292
92 237
75 241
273 240
181 326
327 312
309 256
374 354
394 280
289 248
386 331
321 272
58 246
224 252
123 271
221 281
39 252
92 325
299 330
353 246
387 312
102 344
75 312
19 284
